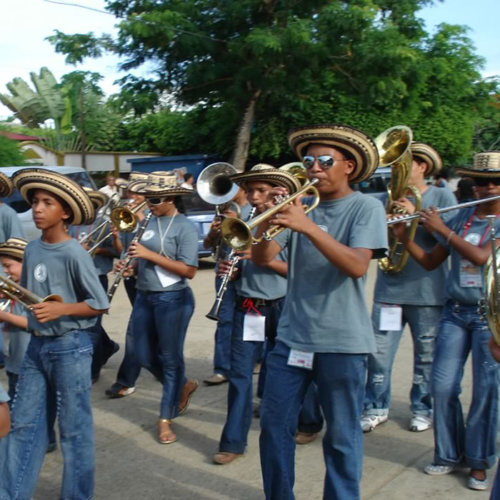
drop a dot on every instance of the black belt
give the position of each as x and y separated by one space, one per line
249 302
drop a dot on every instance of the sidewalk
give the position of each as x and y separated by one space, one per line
132 465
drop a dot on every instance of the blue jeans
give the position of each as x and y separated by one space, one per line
130 368
222 351
340 379
60 366
424 322
461 332
310 416
240 391
160 321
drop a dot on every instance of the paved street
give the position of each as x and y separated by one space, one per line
132 465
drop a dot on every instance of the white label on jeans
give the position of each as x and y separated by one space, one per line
391 318
166 277
254 328
301 359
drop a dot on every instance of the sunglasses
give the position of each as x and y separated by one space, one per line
324 161
484 181
155 201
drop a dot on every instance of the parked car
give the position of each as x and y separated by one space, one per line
23 209
201 214
377 184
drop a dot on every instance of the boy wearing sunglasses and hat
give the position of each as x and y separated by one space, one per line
56 367
462 330
324 333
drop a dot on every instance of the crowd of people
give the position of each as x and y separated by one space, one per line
332 369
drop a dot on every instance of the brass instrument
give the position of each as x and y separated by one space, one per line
393 146
26 298
4 304
214 184
491 284
238 234
407 218
128 259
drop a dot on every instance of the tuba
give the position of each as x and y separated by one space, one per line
393 147
491 284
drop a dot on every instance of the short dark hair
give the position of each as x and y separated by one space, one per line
187 176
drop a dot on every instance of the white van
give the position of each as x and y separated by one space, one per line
79 175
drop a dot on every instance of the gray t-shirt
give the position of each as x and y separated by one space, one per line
412 285
18 340
4 397
174 237
10 226
65 269
325 310
475 231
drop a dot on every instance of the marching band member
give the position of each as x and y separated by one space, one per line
415 297
167 257
258 302
325 333
56 367
462 330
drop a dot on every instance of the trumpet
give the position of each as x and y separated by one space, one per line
26 298
238 234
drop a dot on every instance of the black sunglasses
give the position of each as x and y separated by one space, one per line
484 181
155 201
324 161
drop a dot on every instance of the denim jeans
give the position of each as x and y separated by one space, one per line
57 366
424 322
340 379
461 332
222 351
240 391
160 321
310 416
130 368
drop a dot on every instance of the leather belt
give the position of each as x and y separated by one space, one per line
247 302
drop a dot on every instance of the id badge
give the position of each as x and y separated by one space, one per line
254 328
470 275
301 359
391 318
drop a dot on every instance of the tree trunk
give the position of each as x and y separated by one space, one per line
242 146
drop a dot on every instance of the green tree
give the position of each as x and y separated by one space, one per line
10 153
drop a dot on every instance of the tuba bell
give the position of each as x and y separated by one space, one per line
214 184
393 146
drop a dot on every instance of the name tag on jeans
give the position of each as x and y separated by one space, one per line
301 359
254 328
391 318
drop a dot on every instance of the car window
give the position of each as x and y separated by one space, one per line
193 203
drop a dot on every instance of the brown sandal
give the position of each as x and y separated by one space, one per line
165 433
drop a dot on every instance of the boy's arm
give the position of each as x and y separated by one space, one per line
51 310
4 419
14 319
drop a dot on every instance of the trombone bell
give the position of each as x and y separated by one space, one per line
214 184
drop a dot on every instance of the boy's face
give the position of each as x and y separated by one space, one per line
11 267
48 210
257 194
330 180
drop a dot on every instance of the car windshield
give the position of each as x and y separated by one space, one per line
193 203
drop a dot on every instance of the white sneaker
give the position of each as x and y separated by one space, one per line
369 422
420 423
438 470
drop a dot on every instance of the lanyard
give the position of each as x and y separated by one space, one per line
468 225
163 235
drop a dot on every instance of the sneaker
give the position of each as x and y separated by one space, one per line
420 423
369 422
438 470
187 392
119 391
215 379
477 484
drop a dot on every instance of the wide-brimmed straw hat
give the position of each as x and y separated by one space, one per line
6 186
13 247
343 137
486 164
158 184
81 208
267 173
98 198
134 176
429 155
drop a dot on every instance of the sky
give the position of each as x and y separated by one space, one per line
26 24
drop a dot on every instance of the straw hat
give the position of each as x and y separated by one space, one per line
6 186
134 176
13 247
486 164
29 179
267 173
343 137
158 184
98 198
429 155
